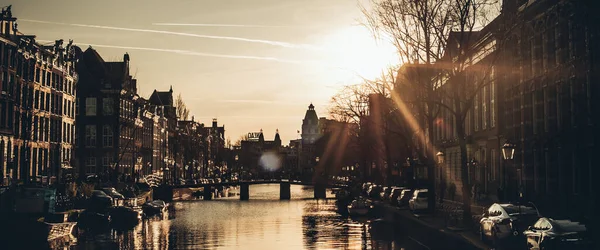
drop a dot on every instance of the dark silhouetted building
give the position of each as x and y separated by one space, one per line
110 118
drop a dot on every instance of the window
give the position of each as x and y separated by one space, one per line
493 104
494 166
90 106
476 112
36 102
90 161
107 106
76 106
107 136
484 107
90 135
107 159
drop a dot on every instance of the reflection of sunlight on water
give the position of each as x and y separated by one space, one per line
265 223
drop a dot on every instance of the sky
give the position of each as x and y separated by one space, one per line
252 64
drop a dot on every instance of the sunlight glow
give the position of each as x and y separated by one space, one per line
270 161
358 53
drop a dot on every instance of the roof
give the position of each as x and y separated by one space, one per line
568 225
519 208
94 62
161 98
116 69
311 114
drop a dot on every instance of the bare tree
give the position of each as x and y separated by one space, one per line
183 112
228 142
421 32
377 127
238 142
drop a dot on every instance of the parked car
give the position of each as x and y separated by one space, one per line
366 186
547 233
404 197
419 200
393 196
374 191
503 221
385 193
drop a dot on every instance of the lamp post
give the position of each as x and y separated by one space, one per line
186 176
236 158
473 167
441 157
140 168
166 170
508 153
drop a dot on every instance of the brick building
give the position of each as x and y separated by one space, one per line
37 110
551 102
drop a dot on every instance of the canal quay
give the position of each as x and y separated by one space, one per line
263 222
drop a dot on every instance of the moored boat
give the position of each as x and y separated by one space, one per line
93 219
359 207
124 216
155 207
60 230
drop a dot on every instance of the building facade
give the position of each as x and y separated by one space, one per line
254 148
37 106
110 118
533 75
309 135
551 102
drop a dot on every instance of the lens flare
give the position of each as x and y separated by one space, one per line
270 161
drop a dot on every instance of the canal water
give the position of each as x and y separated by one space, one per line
264 222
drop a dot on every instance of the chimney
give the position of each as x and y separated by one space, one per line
214 122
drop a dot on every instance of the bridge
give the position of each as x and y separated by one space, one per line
284 188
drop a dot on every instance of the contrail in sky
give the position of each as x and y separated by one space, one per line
254 101
232 25
269 42
192 53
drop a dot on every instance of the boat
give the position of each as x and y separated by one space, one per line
155 207
93 219
60 230
125 216
359 207
342 194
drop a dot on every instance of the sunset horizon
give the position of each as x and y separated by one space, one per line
251 72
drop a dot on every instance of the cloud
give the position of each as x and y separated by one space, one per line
241 39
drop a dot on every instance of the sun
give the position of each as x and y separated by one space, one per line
354 51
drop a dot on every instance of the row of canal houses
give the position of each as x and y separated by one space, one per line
66 113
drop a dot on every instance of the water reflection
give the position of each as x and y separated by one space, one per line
264 222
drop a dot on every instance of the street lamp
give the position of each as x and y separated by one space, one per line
236 158
186 171
508 151
440 156
165 170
